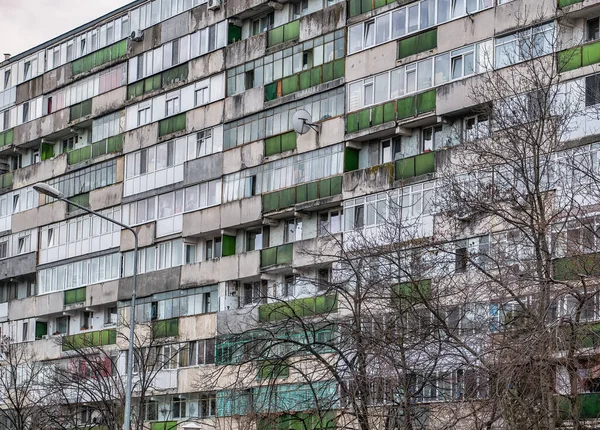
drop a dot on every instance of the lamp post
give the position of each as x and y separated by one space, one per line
50 191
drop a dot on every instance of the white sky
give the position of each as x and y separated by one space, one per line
28 23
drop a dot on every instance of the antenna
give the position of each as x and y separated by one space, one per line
301 122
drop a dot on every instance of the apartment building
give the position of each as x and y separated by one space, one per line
175 117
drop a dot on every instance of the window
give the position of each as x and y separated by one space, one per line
25 331
432 138
461 258
525 44
27 70
201 96
175 52
476 127
293 230
369 33
204 143
62 325
288 287
257 238
213 248
6 120
385 151
462 62
207 405
593 28
592 90
254 292
190 253
172 106
323 279
144 114
22 245
16 162
263 24
69 143
299 9
201 352
330 222
111 316
25 112
6 79
87 320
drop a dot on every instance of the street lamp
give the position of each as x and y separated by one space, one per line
50 191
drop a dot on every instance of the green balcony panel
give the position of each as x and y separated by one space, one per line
312 191
291 30
289 85
406 107
81 200
228 245
424 163
299 308
352 122
75 296
234 34
302 193
324 188
564 3
366 5
298 421
270 202
315 76
590 54
364 119
350 159
268 257
405 168
275 36
288 141
166 328
576 267
6 138
80 110
164 425
287 198
172 76
377 115
389 111
6 180
171 125
272 145
569 59
100 57
327 71
355 7
339 68
305 81
79 155
588 406
271 92
285 253
90 339
273 370
135 90
379 3
426 102
336 185
99 148
115 143
411 292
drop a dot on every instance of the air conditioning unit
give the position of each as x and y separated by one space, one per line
137 35
214 4
45 336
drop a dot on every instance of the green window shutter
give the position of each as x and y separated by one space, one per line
234 34
272 145
405 168
228 245
350 159
288 141
270 91
424 163
47 151
41 329
426 102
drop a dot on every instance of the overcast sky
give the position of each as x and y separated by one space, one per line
28 23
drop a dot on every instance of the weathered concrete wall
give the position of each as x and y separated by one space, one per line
369 180
18 266
150 283
146 234
201 17
141 137
43 215
36 305
106 197
40 172
206 65
30 89
52 123
203 169
246 50
57 78
204 116
109 102
243 157
246 103
221 269
175 27
102 294
371 61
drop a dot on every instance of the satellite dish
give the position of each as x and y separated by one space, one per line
301 121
